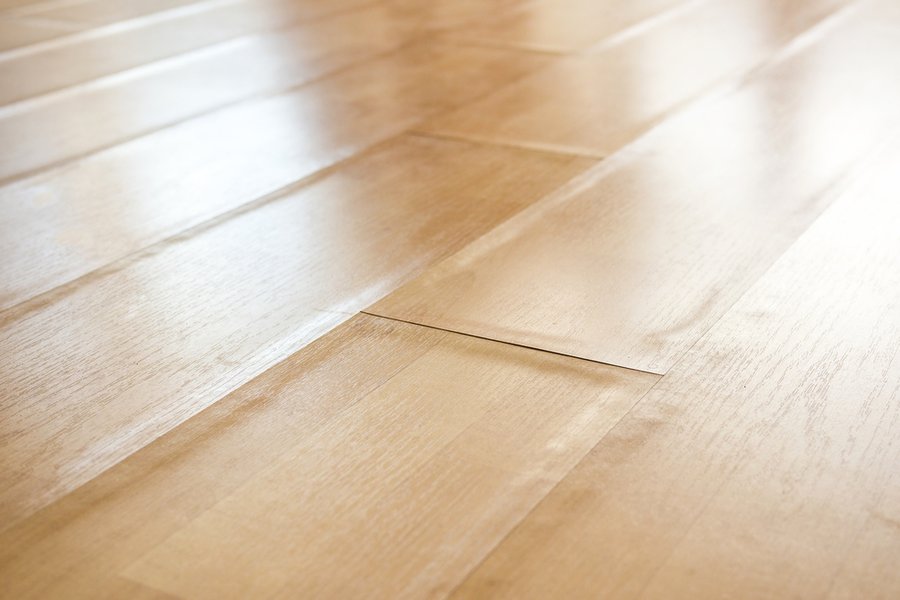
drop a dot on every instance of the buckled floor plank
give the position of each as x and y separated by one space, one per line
97 369
393 466
631 265
765 463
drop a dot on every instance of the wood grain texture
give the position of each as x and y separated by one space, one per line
596 103
70 220
562 25
764 464
367 374
103 51
631 264
399 495
98 115
197 198
76 546
100 367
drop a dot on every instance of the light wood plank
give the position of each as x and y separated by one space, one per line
562 25
595 104
107 50
633 263
15 33
97 369
765 460
402 494
9 6
68 221
103 12
450 15
56 128
76 546
368 372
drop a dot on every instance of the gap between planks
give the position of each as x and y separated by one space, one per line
507 343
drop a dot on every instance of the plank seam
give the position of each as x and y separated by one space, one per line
508 343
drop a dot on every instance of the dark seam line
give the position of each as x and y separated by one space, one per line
508 343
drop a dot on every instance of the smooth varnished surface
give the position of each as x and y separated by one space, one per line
18 32
61 223
765 463
70 124
564 25
410 412
105 12
596 103
174 327
103 51
633 263
415 451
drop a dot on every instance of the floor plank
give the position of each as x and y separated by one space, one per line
106 50
594 104
104 12
10 6
378 376
15 33
76 546
765 460
633 263
64 126
413 485
68 221
562 25
163 334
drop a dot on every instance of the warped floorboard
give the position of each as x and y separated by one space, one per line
632 264
634 270
764 464
174 328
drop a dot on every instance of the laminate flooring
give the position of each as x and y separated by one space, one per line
451 298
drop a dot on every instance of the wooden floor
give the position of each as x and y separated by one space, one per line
449 298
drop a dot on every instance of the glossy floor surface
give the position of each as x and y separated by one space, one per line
432 298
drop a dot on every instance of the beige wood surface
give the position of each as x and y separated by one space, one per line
103 51
103 12
11 6
173 328
633 263
202 201
77 546
454 447
596 103
564 25
765 463
61 223
51 129
16 33
406 441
